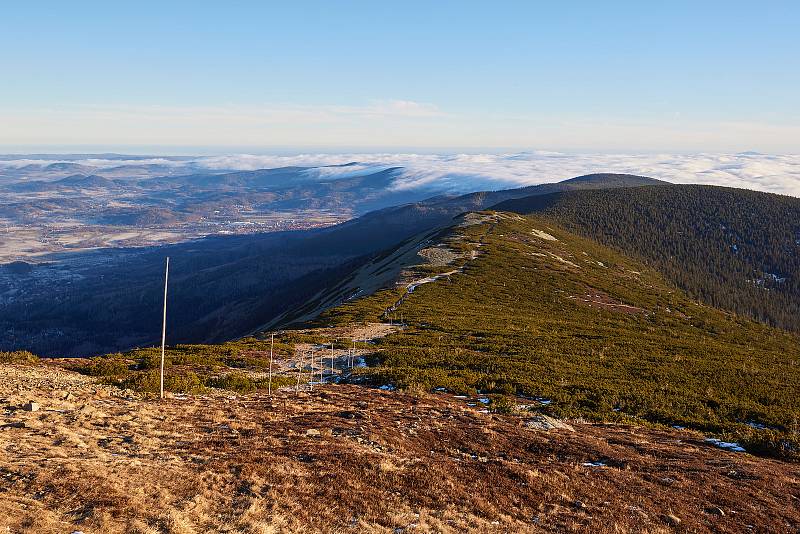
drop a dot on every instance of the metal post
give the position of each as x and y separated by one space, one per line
311 374
271 346
299 372
164 328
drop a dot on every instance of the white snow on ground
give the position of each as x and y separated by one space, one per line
727 445
593 464
543 235
562 260
416 283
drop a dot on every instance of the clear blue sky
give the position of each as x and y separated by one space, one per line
557 75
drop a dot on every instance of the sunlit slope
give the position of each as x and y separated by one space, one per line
732 248
542 312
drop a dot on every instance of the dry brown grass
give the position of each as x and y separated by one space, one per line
382 462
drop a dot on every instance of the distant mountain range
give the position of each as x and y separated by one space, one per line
78 304
227 286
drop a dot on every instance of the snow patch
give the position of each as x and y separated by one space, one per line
593 464
543 235
727 445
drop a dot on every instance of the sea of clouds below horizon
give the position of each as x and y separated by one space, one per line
459 173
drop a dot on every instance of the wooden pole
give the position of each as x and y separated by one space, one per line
271 346
164 328
331 360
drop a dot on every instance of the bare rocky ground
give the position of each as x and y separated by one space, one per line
346 458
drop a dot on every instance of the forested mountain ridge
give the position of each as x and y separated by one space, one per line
732 248
408 219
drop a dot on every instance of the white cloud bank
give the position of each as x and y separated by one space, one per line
466 172
469 172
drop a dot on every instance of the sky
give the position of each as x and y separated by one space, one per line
427 76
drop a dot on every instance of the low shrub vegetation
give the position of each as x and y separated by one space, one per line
192 368
18 356
599 335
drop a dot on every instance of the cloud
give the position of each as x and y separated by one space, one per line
469 172
466 172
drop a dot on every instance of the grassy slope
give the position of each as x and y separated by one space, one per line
517 321
355 460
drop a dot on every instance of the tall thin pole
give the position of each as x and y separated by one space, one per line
331 360
311 374
299 373
164 327
271 346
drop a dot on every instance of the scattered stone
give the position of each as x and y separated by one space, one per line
715 510
313 432
31 407
545 422
15 424
672 520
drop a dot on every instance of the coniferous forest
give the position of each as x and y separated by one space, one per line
732 248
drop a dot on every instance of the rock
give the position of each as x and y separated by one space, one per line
672 520
715 510
15 424
545 422
31 407
580 505
313 432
